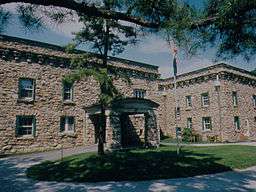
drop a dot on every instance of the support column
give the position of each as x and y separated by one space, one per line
152 132
113 130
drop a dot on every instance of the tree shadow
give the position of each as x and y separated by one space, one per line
132 165
12 173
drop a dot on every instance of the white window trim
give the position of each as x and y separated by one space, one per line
203 99
32 126
189 101
27 89
254 101
70 92
66 125
237 123
189 123
234 98
139 93
205 124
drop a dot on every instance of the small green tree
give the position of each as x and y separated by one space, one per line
105 36
186 134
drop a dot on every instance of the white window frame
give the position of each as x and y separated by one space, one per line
254 101
189 123
237 123
139 93
234 98
189 101
70 92
177 112
32 126
67 125
205 99
27 89
206 124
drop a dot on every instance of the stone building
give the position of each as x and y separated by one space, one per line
39 112
215 102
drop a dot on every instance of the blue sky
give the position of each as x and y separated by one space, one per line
151 49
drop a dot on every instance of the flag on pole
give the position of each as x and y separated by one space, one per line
175 51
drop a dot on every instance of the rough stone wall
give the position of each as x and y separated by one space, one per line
48 107
221 109
244 110
196 112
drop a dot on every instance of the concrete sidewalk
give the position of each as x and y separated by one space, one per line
210 144
13 179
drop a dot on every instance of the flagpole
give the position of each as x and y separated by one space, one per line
174 53
176 105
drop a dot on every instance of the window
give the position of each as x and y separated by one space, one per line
139 93
237 122
254 100
25 125
178 112
189 101
207 123
67 124
26 89
234 98
205 99
67 92
189 123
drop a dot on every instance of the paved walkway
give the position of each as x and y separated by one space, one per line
13 179
211 144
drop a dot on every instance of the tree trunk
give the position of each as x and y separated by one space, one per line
106 45
102 131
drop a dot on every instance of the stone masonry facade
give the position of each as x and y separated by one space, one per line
46 66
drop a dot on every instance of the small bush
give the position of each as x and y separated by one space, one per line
186 135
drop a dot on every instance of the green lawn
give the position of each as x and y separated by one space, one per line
142 164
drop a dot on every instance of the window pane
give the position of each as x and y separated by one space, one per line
205 99
139 93
26 88
188 101
62 124
237 122
25 125
207 124
67 92
67 124
234 97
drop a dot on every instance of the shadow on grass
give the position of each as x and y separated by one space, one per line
127 165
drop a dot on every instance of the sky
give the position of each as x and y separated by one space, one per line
151 49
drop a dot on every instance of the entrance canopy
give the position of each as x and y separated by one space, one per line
128 105
129 121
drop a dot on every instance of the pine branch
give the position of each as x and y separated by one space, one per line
88 10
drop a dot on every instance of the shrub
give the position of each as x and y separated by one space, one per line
186 135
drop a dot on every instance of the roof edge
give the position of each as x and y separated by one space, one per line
77 51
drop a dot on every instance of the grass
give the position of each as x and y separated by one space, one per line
142 164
